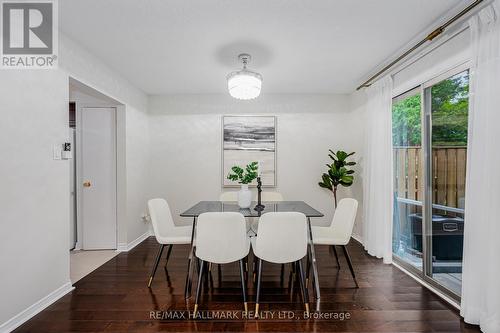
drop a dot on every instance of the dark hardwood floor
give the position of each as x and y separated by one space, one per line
115 298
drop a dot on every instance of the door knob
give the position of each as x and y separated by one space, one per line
86 184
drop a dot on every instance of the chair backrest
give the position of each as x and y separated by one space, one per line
221 237
271 196
282 237
229 196
161 218
343 219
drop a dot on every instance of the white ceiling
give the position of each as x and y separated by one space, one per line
299 46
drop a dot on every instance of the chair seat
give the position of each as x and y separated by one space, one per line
325 236
177 235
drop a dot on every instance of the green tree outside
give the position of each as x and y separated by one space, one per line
450 105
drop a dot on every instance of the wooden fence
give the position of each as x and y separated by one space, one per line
448 172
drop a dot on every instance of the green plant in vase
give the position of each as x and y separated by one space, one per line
338 173
244 176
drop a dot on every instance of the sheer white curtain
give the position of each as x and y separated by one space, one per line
377 171
481 263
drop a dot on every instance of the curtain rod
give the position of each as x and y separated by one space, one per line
429 37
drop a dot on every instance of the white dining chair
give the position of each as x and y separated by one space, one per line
282 239
254 222
340 230
165 230
221 238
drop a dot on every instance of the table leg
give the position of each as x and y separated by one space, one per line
189 275
313 259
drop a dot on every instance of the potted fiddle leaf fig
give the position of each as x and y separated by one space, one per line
244 177
338 172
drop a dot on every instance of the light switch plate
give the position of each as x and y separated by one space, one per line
57 152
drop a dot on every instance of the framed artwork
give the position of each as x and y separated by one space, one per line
246 139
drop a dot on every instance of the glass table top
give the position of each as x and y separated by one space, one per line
274 206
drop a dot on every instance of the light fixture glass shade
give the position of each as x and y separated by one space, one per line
244 84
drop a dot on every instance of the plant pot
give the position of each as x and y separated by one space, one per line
244 197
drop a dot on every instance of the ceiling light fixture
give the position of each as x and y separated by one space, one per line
244 84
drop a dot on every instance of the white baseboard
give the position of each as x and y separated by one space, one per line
34 309
125 247
121 247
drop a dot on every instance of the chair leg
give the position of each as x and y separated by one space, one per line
301 282
169 251
346 254
259 278
305 294
336 255
198 288
206 278
308 266
243 285
157 261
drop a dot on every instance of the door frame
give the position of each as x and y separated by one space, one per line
426 164
119 174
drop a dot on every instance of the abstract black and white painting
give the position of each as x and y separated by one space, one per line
247 139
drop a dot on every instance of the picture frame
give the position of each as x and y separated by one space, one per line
248 138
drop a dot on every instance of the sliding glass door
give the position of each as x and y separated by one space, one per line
430 150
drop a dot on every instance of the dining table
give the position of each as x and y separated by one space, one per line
270 206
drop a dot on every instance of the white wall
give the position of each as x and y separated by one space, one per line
357 107
186 145
137 161
34 194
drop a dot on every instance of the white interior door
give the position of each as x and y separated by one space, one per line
98 177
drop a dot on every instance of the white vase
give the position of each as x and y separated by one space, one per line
244 197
